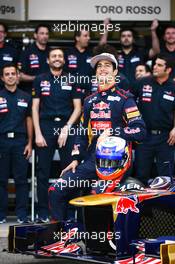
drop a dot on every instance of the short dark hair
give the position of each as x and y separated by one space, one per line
171 25
8 65
105 48
41 25
129 29
4 26
168 60
52 49
147 68
77 33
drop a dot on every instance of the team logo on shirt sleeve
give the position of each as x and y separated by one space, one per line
147 93
45 88
3 105
34 61
132 112
72 61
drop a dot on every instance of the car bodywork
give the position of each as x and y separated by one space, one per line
118 227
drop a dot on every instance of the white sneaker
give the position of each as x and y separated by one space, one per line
3 221
43 220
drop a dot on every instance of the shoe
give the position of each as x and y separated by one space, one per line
23 221
3 221
42 220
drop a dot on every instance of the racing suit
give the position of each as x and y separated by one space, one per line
112 109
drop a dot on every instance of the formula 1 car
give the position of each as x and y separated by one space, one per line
130 224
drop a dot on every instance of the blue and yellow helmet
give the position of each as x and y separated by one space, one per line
113 158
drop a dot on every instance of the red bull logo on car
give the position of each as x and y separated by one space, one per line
125 204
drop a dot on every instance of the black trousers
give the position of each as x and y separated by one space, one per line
13 162
155 147
50 131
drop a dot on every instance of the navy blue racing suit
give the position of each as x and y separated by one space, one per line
114 109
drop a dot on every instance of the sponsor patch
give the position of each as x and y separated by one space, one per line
169 93
7 58
5 110
113 98
100 114
45 89
168 97
133 114
101 125
101 106
135 59
33 57
128 130
45 93
72 57
3 105
92 99
134 119
3 100
45 84
146 99
66 87
147 88
147 94
22 104
131 109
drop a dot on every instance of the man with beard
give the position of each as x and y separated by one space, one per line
130 56
56 108
33 61
156 102
168 46
16 131
77 61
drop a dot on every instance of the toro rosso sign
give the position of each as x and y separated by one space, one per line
117 10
